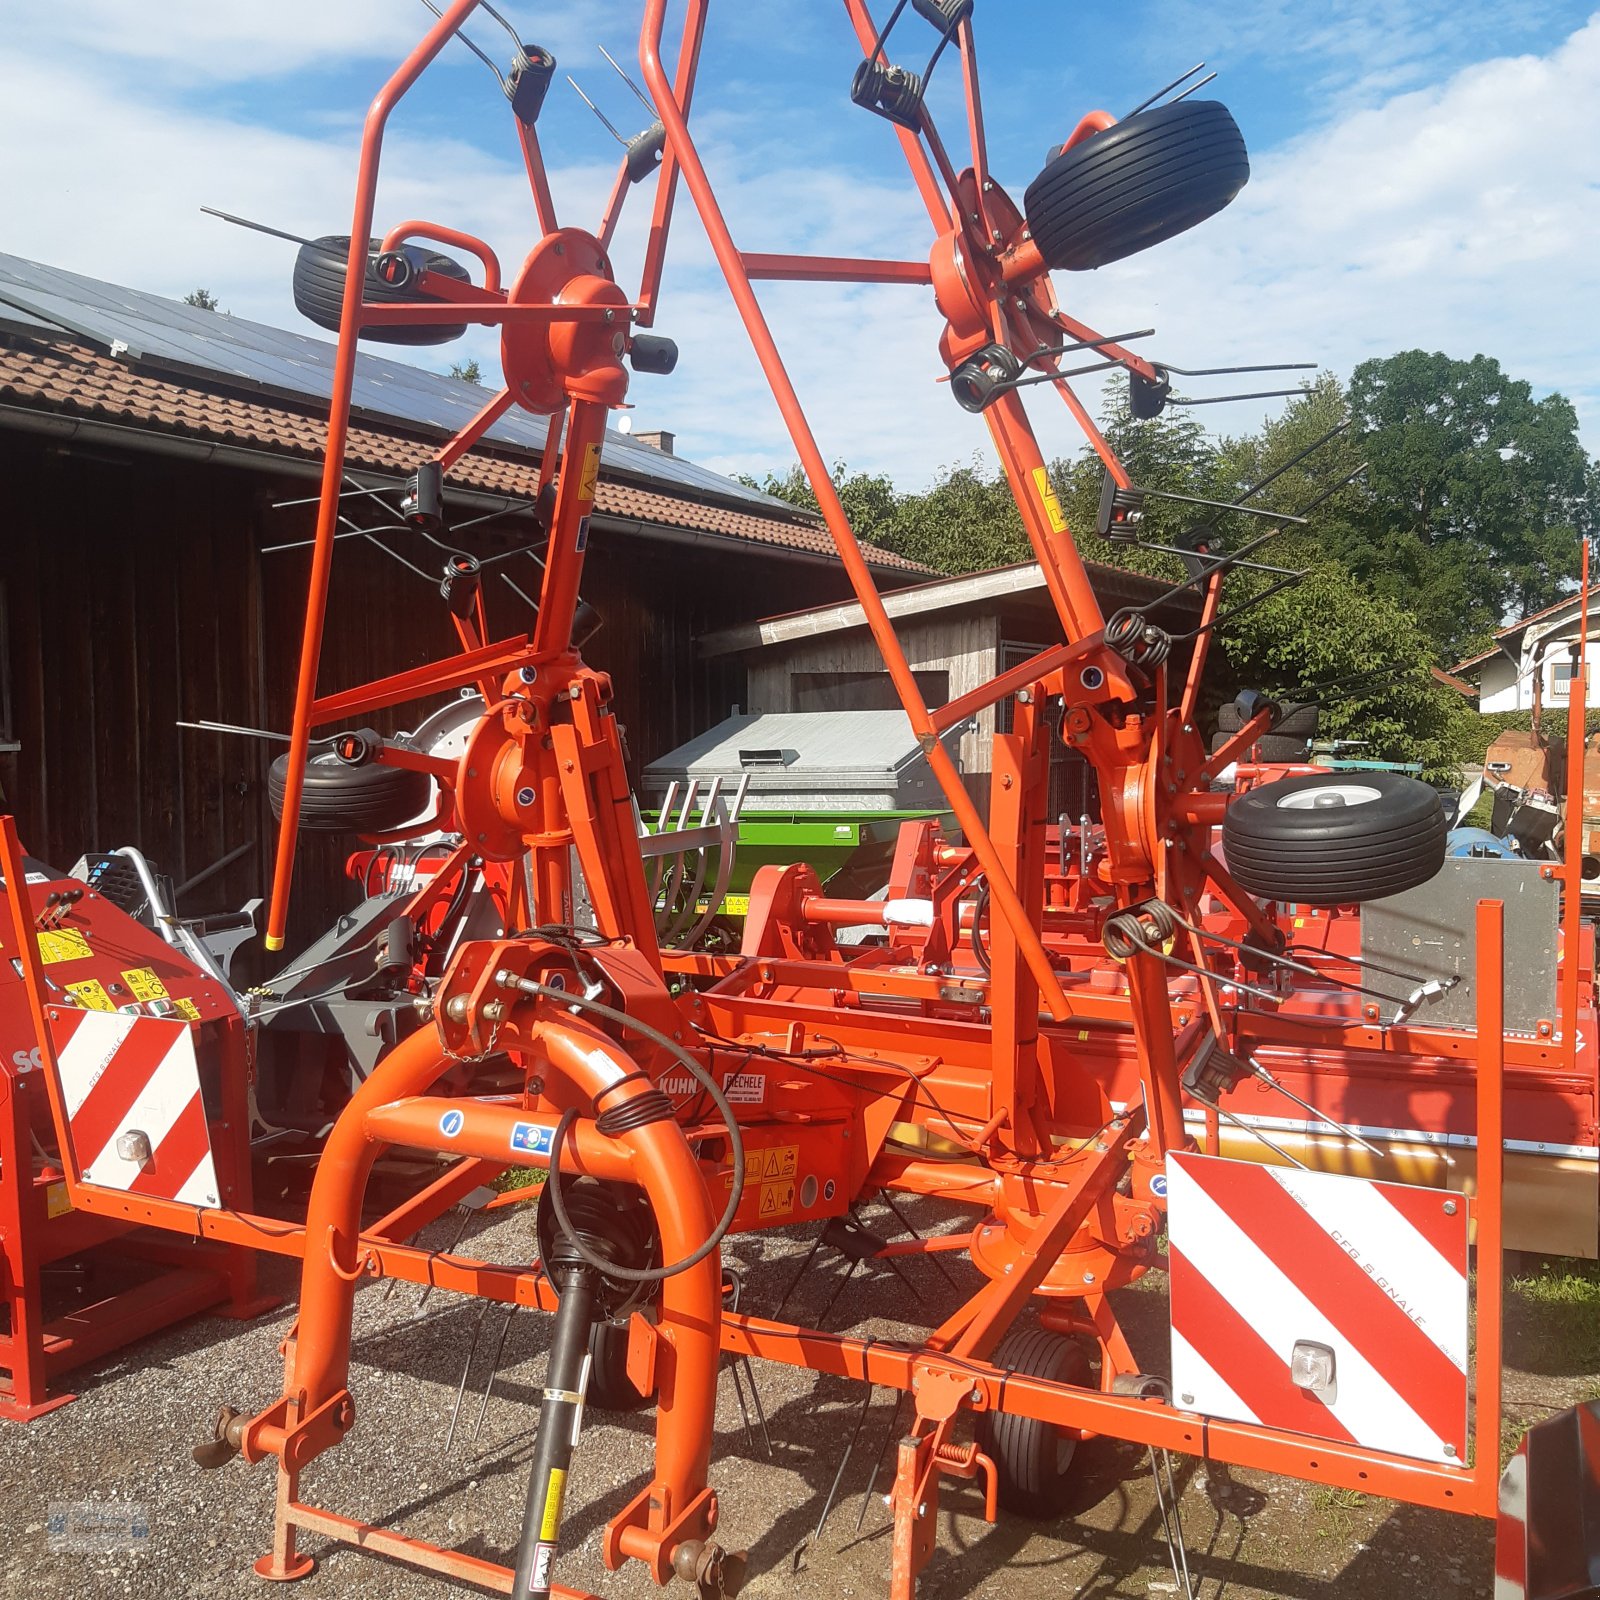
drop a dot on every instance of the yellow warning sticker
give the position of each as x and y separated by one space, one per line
63 944
1047 497
91 995
57 1202
555 1489
591 473
143 984
188 1008
777 1199
767 1166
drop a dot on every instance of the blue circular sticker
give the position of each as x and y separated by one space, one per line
1158 1184
450 1123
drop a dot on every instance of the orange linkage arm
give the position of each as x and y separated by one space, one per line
344 374
939 760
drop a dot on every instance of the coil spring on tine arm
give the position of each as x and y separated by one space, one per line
1140 930
1136 639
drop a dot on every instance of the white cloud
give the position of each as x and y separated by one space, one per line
1459 216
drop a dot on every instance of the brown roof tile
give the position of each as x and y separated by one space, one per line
73 378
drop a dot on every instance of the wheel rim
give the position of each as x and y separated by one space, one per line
1330 796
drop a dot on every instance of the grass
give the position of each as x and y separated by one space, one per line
1336 1509
1553 1317
519 1178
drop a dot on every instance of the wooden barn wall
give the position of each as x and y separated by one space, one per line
963 645
135 593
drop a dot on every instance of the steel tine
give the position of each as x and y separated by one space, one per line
1256 1133
666 806
905 1222
844 1461
1321 1116
839 1290
461 1228
638 92
494 1372
728 826
755 1400
794 1282
877 1466
1209 77
1199 66
738 1389
604 119
1177 1523
481 55
466 1370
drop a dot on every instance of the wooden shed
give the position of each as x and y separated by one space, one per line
161 464
957 633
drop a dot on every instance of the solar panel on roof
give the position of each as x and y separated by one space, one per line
172 334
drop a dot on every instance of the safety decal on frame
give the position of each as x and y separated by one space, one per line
532 1138
63 944
91 995
143 984
1047 497
590 477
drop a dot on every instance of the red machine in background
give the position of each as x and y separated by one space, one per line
1055 1038
154 1063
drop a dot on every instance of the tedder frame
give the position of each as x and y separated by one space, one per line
856 1053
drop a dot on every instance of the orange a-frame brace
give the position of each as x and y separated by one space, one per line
1064 1184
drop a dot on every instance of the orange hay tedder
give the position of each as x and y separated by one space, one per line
1044 1026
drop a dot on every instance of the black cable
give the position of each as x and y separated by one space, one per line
980 950
600 1264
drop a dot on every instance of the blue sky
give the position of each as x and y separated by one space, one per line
1423 174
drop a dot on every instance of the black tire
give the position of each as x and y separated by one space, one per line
1033 1460
1274 747
342 799
610 1387
1384 834
1270 747
319 271
1298 718
1136 183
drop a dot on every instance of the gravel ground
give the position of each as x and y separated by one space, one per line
123 1447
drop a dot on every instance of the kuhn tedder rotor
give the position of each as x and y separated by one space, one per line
1026 1036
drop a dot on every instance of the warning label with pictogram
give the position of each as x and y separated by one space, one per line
777 1199
63 944
143 984
767 1166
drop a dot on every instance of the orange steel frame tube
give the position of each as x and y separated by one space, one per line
344 373
654 1157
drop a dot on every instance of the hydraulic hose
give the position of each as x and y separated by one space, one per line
663 1107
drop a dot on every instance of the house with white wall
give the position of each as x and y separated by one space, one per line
1534 661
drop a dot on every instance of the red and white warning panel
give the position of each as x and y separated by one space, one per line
137 1121
1329 1305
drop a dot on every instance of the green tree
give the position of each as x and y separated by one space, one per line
1477 494
869 500
467 371
202 299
